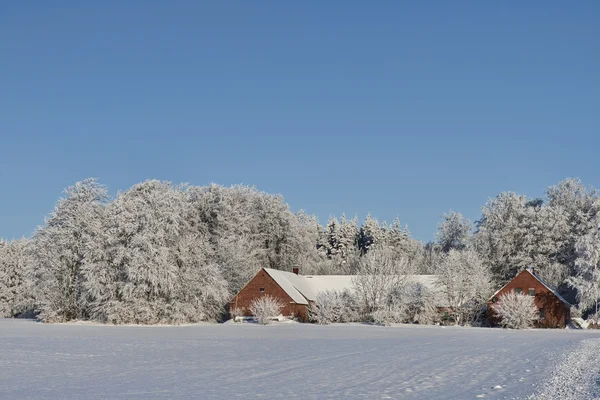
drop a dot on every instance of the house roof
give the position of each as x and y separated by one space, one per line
540 280
305 288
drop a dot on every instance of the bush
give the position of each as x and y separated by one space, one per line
333 306
266 307
516 310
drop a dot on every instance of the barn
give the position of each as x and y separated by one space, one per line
296 291
553 310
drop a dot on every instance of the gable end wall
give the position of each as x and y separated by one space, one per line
251 291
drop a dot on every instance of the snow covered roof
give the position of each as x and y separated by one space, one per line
547 286
289 282
305 288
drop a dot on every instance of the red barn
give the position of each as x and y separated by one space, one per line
553 310
294 290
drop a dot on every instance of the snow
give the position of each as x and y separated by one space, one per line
288 361
306 287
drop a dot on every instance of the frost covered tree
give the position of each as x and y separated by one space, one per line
516 310
379 273
577 206
70 240
465 283
454 232
369 234
266 307
158 268
15 296
277 237
515 233
587 271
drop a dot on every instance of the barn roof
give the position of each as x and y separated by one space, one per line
305 288
550 288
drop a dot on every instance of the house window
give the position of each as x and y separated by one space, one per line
542 314
518 290
262 289
531 291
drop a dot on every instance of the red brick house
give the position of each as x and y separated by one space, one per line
553 310
294 290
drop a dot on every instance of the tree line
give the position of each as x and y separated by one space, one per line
164 253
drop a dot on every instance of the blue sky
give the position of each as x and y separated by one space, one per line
392 108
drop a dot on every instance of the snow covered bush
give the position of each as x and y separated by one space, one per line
266 307
411 303
333 306
516 310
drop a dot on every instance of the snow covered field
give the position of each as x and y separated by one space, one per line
80 361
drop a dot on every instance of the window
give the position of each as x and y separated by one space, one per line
518 290
531 291
262 289
542 314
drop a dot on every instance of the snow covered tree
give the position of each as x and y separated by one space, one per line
266 307
264 221
515 233
15 296
369 234
63 246
348 233
157 267
465 283
454 232
587 271
380 272
571 202
516 310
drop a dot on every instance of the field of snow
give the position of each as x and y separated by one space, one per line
293 361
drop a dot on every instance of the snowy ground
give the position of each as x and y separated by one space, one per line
294 361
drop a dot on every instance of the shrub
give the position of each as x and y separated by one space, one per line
333 306
516 310
266 307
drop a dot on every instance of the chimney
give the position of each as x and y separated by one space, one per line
296 270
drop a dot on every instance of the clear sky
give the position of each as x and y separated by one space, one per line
406 109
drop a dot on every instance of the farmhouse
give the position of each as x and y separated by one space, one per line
297 291
553 310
